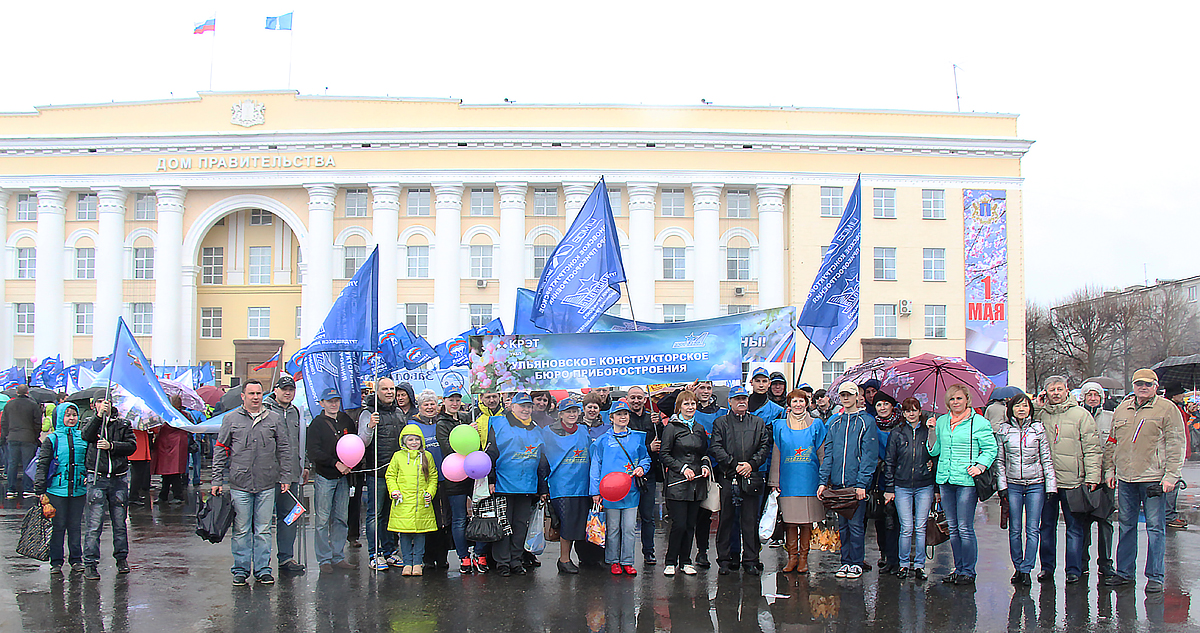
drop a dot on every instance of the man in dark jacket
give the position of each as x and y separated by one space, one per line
331 490
741 444
253 458
850 459
643 418
110 443
379 427
281 401
23 426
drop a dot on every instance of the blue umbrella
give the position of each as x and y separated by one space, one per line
1004 393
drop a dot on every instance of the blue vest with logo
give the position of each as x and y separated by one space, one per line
799 467
568 456
625 453
520 451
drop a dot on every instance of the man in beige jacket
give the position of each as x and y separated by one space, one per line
1143 459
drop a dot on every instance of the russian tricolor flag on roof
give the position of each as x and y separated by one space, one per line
207 26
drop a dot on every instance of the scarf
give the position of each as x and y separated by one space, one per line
890 422
802 421
756 401
965 414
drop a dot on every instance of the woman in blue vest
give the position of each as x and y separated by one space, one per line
515 446
619 450
566 467
795 466
65 486
686 463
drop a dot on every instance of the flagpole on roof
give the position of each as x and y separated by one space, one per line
212 52
291 47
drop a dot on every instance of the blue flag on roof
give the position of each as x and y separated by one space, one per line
830 314
455 351
352 324
581 277
280 22
135 374
401 349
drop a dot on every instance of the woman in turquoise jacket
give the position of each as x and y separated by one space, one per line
64 487
619 450
964 443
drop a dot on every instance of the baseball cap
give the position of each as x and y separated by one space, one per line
453 390
848 387
567 404
761 371
736 391
1145 374
777 376
521 397
330 393
285 382
619 405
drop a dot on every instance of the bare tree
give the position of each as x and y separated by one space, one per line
1168 326
1128 312
1041 361
1084 332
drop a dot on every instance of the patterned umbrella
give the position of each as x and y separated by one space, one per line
862 372
926 377
191 400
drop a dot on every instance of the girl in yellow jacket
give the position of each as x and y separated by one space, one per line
412 479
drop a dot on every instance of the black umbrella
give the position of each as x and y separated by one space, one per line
39 394
1181 370
87 395
232 398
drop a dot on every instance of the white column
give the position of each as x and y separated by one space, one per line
576 193
639 267
189 314
512 247
5 321
317 292
447 287
110 270
48 291
167 342
771 257
706 206
385 214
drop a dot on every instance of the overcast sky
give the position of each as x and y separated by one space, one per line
1107 91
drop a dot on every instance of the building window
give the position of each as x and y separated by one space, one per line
674 312
299 313
481 314
674 262
260 217
545 202
738 263
831 202
824 249
885 320
482 201
26 263
935 264
935 321
353 258
258 323
1193 293
212 265
737 308
885 263
24 318
738 202
210 322
85 263
418 202
831 371
260 265
83 318
356 203
885 203
143 263
672 203
481 261
541 255
216 370
143 319
26 207
933 204
614 200
145 206
85 206
418 261
416 318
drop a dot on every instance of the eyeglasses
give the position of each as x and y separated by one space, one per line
1142 383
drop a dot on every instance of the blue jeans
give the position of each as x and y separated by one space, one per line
853 532
1028 500
1132 498
412 547
1074 528
959 504
378 507
331 501
195 463
912 506
19 456
648 517
618 535
106 495
68 521
251 541
285 535
458 525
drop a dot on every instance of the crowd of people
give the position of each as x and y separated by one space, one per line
857 454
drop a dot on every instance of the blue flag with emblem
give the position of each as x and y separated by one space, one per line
352 324
493 327
401 349
49 374
581 277
341 370
455 351
12 377
830 313
135 374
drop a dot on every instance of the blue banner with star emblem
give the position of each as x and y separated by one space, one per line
830 314
135 375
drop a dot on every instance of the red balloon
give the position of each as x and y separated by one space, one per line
615 485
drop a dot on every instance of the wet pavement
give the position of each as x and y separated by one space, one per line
181 584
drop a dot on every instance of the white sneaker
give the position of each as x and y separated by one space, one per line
669 570
842 571
395 561
854 572
688 569
379 563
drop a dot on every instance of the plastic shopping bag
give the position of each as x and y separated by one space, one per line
595 526
535 541
766 526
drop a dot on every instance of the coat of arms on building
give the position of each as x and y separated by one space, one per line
248 113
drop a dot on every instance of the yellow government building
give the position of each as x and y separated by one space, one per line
222 227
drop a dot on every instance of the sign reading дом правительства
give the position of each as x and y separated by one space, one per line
522 362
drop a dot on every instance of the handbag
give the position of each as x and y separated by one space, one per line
35 535
937 528
595 526
986 481
642 482
876 506
484 526
752 486
712 500
843 501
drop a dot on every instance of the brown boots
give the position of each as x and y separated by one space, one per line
797 547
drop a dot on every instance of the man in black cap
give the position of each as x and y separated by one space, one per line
1174 393
281 401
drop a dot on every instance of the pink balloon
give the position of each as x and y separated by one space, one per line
477 465
452 467
350 450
